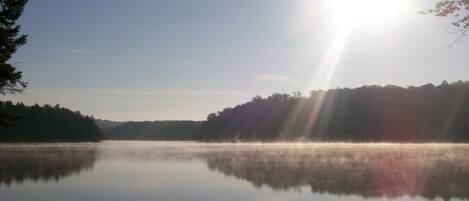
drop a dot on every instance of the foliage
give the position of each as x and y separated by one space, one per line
455 8
47 124
10 40
154 130
104 124
368 113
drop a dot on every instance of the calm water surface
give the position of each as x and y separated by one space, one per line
188 171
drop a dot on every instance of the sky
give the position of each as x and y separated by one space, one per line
183 59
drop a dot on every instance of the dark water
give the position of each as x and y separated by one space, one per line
186 171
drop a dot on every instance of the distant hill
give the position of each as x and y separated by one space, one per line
369 113
154 130
104 124
47 124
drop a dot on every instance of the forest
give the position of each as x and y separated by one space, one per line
46 124
370 113
151 130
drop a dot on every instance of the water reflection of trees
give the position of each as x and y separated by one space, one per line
43 163
430 172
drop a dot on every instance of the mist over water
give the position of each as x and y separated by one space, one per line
142 170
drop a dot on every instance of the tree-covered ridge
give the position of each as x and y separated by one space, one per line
154 130
47 124
368 113
104 124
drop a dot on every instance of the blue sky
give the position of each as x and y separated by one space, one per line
182 59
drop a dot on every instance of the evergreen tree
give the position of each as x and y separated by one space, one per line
10 40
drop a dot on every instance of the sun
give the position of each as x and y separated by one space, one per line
366 12
346 18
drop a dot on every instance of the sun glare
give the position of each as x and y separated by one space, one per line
366 12
347 15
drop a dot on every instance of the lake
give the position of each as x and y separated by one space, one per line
190 171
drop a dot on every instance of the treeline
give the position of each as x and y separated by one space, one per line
368 113
154 130
105 124
46 124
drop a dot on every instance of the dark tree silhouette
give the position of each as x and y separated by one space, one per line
369 113
154 130
10 40
104 124
48 124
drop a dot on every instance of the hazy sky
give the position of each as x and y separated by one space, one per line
182 59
